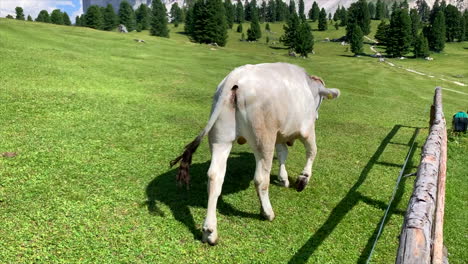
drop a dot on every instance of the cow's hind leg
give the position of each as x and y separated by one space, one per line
282 151
216 172
264 157
311 152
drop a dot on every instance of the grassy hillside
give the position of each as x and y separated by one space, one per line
94 118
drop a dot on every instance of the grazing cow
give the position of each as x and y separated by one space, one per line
265 105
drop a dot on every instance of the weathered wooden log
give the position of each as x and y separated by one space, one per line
417 231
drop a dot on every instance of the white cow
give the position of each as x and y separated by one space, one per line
265 105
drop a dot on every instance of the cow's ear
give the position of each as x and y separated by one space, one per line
317 79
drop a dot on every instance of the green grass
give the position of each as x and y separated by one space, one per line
95 118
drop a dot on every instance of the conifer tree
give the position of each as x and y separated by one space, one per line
359 13
356 40
66 19
335 15
267 27
301 10
423 10
127 15
77 21
19 13
305 40
239 28
437 33
83 20
271 11
56 17
159 20
247 10
343 16
292 7
322 20
230 13
415 24
399 37
463 27
290 32
189 23
30 18
240 17
282 11
382 32
452 23
379 10
43 17
371 8
421 47
314 12
93 17
209 22
110 19
254 32
143 13
262 11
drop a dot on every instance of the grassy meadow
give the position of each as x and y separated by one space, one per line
93 118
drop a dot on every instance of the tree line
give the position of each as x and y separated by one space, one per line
56 16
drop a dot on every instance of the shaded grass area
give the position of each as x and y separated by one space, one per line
95 118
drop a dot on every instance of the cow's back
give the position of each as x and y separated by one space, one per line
274 97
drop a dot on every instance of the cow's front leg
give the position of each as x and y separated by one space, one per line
282 151
262 181
311 152
219 156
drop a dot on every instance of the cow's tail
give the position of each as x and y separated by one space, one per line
329 93
183 176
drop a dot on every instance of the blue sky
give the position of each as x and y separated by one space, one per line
33 7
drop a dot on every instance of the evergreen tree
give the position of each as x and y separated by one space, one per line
254 32
143 13
290 32
343 17
66 19
230 13
239 28
335 15
382 32
10 16
110 19
240 17
322 21
209 22
399 38
271 11
329 16
437 33
301 10
83 20
247 11
356 40
93 17
415 24
371 8
189 23
435 9
159 20
56 17
359 13
464 26
292 7
19 13
305 40
423 10
267 27
30 18
43 17
127 15
77 21
421 47
379 10
314 12
281 10
452 23
262 11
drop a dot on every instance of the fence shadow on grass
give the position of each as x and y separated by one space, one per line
352 198
163 190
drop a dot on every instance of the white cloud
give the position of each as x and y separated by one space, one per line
31 7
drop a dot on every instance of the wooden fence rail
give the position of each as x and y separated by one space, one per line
421 238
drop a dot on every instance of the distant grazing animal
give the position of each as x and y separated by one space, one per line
266 105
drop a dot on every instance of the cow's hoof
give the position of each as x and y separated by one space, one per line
283 183
301 182
210 236
268 216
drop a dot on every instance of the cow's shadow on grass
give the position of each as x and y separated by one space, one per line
164 190
354 196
